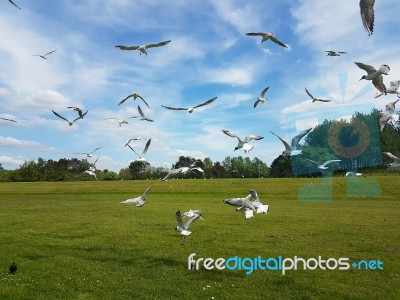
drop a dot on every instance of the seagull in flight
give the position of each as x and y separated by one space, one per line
315 99
393 89
353 174
323 166
267 36
134 96
120 122
7 119
13 3
143 116
133 139
190 109
142 157
335 53
175 172
243 144
292 149
262 98
242 205
89 154
44 56
367 15
387 115
78 110
142 48
396 161
375 75
92 169
260 208
139 201
183 227
69 122
193 213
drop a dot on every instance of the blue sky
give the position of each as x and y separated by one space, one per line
209 56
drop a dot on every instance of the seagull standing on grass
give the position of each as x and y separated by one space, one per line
183 227
292 149
142 157
134 96
69 122
262 98
190 109
375 75
367 15
387 115
44 56
315 99
396 161
139 201
267 36
243 144
142 48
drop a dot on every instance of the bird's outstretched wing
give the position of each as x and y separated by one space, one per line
174 108
392 156
369 69
13 3
158 44
250 137
80 117
276 41
48 53
146 147
6 119
122 47
230 133
297 138
262 95
367 15
205 103
61 117
256 33
287 147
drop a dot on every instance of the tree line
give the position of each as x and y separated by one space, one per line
357 142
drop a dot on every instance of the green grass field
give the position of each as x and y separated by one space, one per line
73 240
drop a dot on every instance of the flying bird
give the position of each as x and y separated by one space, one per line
7 119
242 205
120 122
139 201
134 96
89 154
396 161
392 89
142 157
267 36
353 174
193 213
262 98
13 268
190 109
133 139
243 144
143 116
335 53
175 172
78 110
44 56
183 227
92 169
323 166
69 122
292 149
375 75
367 15
387 115
260 208
315 99
13 3
142 48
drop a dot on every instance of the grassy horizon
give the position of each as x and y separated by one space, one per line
73 240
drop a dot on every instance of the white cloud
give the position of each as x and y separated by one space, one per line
9 162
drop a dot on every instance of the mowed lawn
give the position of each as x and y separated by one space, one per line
73 240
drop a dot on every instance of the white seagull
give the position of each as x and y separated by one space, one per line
292 149
190 109
242 205
267 36
142 48
260 208
323 166
315 99
183 227
193 213
139 201
367 15
352 174
44 56
387 114
375 75
262 98
69 122
89 154
134 96
396 161
143 116
142 157
92 169
335 53
120 122
175 172
243 144
392 89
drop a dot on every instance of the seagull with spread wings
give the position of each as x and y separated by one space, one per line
143 116
89 154
120 122
367 15
375 75
292 148
388 114
190 109
69 122
134 96
142 48
335 53
243 144
183 227
394 88
44 56
139 201
142 157
316 99
323 166
267 36
261 98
